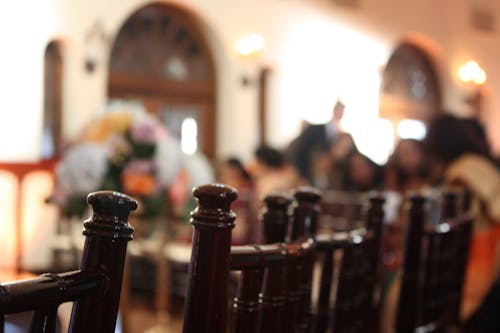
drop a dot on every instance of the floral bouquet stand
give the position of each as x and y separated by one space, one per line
129 150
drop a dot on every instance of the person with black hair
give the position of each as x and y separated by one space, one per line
232 172
459 155
406 169
272 172
363 174
448 140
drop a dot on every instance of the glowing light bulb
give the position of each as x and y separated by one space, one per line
472 72
250 45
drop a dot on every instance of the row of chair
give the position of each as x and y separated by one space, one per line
296 281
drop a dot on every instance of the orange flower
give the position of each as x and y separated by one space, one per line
138 183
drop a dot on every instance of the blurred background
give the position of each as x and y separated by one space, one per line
152 98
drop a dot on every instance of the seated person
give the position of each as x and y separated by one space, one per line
363 174
232 172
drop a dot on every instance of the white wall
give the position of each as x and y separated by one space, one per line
318 52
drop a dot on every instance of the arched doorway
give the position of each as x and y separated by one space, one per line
410 87
161 58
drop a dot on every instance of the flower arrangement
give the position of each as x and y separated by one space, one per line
128 150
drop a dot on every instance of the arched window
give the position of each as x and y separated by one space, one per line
410 86
52 108
161 58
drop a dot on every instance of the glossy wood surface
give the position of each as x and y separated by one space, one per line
305 217
95 289
207 288
353 309
48 289
305 225
407 313
275 221
106 235
434 267
274 287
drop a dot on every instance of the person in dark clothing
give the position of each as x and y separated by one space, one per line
313 136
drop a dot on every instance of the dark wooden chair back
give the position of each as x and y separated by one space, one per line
95 288
274 288
352 309
275 281
434 265
342 211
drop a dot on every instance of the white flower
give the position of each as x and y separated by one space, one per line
82 168
168 159
199 169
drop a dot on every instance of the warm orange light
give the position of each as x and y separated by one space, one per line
472 72
8 195
250 45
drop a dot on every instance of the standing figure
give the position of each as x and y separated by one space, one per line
312 136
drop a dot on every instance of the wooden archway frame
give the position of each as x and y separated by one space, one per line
157 90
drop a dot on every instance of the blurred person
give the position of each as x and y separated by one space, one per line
341 151
232 172
460 155
405 172
321 168
272 173
292 145
406 168
313 136
363 174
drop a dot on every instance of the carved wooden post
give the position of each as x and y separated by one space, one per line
449 205
463 239
440 260
275 219
107 233
305 217
206 294
374 223
407 315
325 292
246 302
305 224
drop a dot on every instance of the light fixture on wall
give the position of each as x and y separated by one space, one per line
473 75
96 43
471 72
249 48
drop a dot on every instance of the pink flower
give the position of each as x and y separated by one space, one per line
144 132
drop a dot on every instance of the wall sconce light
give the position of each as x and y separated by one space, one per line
96 42
250 46
471 73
